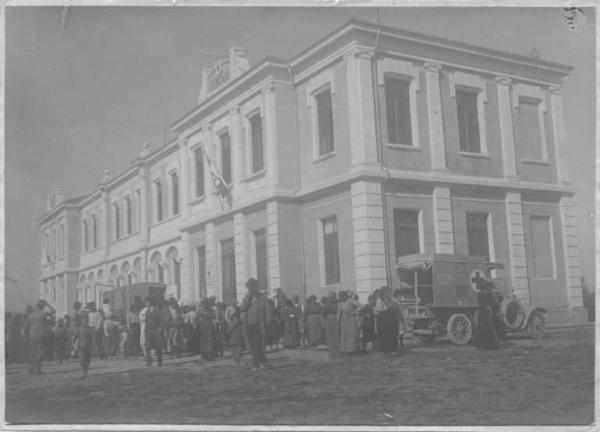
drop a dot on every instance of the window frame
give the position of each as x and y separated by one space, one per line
158 203
85 239
174 195
404 71
471 83
420 228
198 152
489 232
128 215
317 84
322 264
225 131
257 112
116 221
529 92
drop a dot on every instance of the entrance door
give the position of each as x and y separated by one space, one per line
228 270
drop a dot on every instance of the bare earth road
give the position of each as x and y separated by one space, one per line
545 382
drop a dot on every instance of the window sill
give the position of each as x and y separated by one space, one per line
324 157
169 219
255 175
125 237
535 162
404 147
198 200
474 155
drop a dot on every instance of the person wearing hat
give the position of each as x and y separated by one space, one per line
255 307
74 324
36 328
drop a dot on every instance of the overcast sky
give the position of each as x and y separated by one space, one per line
84 99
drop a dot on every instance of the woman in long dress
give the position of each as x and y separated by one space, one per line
486 335
348 324
291 330
388 313
206 330
332 331
313 318
367 325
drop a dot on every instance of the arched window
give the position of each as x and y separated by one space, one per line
117 221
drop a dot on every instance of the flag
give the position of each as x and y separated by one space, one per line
220 183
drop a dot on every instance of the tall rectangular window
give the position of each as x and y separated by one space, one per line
175 192
84 228
260 245
199 164
177 277
201 251
528 133
117 221
158 204
325 122
62 241
331 253
542 247
228 270
397 104
478 234
468 121
226 156
256 137
406 232
94 232
128 216
138 206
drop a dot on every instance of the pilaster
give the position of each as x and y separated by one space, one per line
442 220
434 110
237 153
240 242
211 259
369 247
516 246
185 263
573 270
273 245
184 164
361 106
507 136
558 127
270 134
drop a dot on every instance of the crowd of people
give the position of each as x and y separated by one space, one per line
164 327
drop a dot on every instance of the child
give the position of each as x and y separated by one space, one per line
235 336
85 343
60 340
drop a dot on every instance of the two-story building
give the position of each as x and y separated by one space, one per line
314 174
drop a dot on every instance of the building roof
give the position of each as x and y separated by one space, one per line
66 203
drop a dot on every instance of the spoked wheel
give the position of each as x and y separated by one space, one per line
536 326
459 328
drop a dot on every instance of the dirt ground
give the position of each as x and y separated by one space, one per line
527 382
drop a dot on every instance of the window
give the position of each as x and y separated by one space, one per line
528 129
158 200
177 276
406 232
228 270
260 249
175 192
138 206
256 138
331 256
84 232
468 121
478 234
201 251
225 156
128 216
117 221
542 242
324 122
94 232
62 241
199 163
397 103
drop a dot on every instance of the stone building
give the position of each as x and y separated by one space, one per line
313 174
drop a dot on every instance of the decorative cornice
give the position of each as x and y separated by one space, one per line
432 67
503 80
267 89
556 90
361 52
234 110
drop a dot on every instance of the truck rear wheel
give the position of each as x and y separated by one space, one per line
459 329
536 325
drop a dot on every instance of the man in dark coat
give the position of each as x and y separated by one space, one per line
257 319
154 332
36 329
